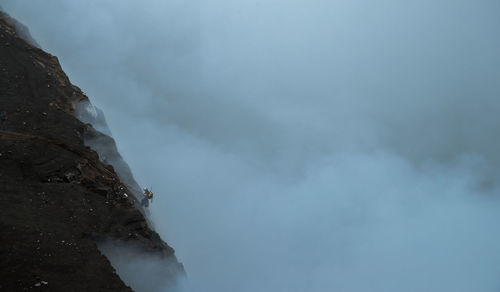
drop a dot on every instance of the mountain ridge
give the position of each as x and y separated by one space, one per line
59 198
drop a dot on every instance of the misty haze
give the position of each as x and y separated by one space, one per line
300 145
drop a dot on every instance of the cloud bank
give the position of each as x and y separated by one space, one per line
298 145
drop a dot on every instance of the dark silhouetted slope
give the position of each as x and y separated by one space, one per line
58 200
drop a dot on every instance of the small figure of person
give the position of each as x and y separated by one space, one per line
3 120
148 195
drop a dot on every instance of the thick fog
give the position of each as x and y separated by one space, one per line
301 145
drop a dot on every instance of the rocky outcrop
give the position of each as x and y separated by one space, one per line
98 137
58 199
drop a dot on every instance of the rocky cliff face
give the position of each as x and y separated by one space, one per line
58 198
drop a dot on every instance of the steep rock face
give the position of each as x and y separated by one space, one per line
57 198
98 137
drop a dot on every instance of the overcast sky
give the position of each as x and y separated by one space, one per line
301 145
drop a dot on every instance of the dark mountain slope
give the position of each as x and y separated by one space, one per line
57 198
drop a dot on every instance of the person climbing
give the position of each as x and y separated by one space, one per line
3 120
148 195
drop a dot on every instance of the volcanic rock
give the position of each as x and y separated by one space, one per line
58 198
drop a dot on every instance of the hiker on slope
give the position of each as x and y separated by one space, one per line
148 195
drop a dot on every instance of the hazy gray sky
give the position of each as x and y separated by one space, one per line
301 145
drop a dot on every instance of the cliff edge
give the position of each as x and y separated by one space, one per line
58 199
